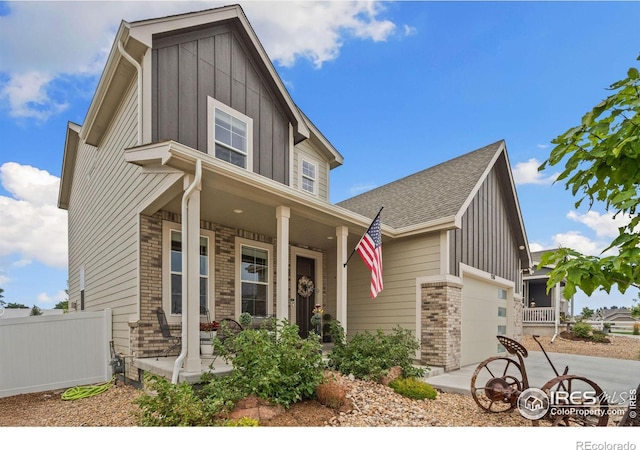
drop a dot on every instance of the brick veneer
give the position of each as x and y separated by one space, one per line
441 320
146 337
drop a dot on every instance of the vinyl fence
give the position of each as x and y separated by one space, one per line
42 353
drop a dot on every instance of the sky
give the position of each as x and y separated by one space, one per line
396 87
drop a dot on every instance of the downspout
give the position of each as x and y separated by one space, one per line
556 295
185 269
138 67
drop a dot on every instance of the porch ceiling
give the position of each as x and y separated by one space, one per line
221 197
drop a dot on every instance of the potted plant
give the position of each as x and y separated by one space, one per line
207 333
326 335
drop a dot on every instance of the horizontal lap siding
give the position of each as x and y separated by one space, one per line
487 240
403 260
306 149
103 221
213 62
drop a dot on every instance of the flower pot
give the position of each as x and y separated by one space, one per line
206 347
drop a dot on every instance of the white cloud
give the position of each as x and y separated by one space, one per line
542 146
360 188
31 225
78 37
535 247
4 279
46 300
527 173
605 225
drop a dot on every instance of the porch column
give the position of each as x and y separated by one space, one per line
341 275
192 248
283 213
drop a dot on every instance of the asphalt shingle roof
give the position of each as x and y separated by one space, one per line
434 193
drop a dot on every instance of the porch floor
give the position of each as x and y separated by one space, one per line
163 366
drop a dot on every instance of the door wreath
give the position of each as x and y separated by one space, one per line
305 287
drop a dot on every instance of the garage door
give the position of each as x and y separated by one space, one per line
484 316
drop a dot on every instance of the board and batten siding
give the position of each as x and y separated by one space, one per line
487 240
103 221
305 150
403 261
213 62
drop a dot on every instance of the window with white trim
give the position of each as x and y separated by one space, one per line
254 279
172 269
308 176
230 134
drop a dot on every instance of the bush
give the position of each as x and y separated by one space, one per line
242 422
413 388
369 356
582 329
636 328
173 405
599 336
279 366
331 393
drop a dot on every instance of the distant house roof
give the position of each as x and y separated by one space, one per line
434 193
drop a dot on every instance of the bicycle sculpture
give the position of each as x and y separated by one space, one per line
498 381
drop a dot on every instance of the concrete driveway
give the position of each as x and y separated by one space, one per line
614 376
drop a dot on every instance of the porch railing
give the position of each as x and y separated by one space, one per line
539 315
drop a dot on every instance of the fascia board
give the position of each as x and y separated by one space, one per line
68 164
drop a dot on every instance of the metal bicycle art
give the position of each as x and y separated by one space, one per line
498 382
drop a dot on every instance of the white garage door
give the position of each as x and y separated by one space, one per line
484 316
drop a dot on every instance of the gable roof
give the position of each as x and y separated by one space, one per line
137 37
432 194
441 194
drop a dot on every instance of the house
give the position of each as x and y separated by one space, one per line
544 311
195 182
614 315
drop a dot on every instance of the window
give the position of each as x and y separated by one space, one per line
172 264
308 173
254 278
502 312
230 135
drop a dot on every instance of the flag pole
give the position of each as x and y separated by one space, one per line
354 249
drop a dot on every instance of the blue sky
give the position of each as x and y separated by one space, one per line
395 86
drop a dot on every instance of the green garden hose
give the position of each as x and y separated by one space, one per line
78 392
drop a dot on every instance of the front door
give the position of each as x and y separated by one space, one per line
305 293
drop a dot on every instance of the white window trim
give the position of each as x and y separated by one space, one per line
167 227
212 105
302 176
239 243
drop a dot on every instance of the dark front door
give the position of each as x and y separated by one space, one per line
305 297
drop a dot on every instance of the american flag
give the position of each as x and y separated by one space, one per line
370 249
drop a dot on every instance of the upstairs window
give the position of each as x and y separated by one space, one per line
230 135
308 174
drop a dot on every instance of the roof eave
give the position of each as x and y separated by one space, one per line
68 164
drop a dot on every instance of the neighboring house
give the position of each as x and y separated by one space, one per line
614 315
195 181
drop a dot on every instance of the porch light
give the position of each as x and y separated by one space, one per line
238 211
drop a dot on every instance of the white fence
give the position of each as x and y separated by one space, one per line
42 353
624 326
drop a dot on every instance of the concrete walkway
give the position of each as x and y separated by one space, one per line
614 376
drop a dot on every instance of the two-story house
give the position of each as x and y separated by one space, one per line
196 182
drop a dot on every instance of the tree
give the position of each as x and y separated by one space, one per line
62 305
16 306
587 313
2 302
602 164
35 311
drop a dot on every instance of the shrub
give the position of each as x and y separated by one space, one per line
636 328
599 336
279 366
413 388
331 393
242 422
582 329
172 405
369 356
